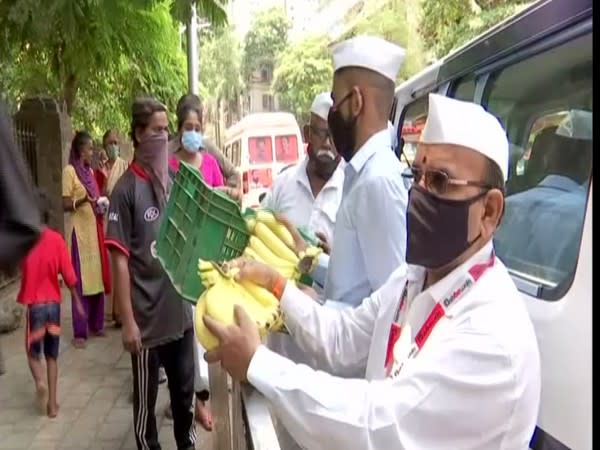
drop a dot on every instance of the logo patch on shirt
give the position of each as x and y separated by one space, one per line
457 292
113 217
153 251
151 214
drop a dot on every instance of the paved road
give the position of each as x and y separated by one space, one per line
93 390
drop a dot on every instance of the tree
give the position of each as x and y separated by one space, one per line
103 52
303 70
447 24
220 73
265 40
390 20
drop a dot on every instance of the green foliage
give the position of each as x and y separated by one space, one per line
94 55
220 68
448 24
389 21
303 71
265 40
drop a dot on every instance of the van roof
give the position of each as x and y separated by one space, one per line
261 120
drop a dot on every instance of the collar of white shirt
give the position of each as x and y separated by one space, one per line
336 181
380 140
452 281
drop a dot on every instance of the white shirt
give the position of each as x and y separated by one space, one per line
369 240
292 196
475 385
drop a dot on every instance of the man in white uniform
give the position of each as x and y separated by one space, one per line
309 194
451 354
369 240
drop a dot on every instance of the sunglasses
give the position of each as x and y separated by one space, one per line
437 181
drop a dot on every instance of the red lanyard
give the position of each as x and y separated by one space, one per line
439 310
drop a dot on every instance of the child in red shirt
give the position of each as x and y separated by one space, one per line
41 293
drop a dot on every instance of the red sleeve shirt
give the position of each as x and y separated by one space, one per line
41 267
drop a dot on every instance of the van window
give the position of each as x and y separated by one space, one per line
464 89
260 150
545 103
286 148
414 115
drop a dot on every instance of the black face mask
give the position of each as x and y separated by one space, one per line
437 228
324 165
343 132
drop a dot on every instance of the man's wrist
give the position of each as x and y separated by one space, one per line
278 286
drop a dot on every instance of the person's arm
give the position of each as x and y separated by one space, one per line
433 404
339 338
227 168
20 221
70 203
118 239
69 276
382 240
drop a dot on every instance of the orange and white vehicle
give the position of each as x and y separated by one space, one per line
260 146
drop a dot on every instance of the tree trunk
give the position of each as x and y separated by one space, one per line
70 88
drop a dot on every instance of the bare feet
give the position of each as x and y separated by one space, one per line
41 397
52 411
203 415
78 343
100 333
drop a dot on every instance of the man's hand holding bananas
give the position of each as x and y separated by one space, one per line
233 337
225 289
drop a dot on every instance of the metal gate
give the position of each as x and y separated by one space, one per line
27 141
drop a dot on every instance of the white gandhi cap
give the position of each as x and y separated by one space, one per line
369 52
467 124
321 105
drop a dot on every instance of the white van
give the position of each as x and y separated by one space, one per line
534 72
260 146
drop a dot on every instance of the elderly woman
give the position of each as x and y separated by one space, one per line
85 237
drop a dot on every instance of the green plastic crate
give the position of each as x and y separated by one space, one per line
199 223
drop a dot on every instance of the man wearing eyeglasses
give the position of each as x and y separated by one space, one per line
309 194
451 354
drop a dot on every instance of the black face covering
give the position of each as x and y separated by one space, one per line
343 132
324 162
437 228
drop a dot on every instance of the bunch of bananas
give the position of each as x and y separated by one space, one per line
223 292
271 243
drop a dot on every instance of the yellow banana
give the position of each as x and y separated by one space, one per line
251 254
204 336
261 295
222 297
274 244
250 224
205 265
266 254
276 227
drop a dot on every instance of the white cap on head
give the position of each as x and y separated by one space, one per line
467 124
321 105
369 52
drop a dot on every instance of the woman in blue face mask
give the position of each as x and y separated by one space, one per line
191 151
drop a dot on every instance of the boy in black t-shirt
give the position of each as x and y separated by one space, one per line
157 323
